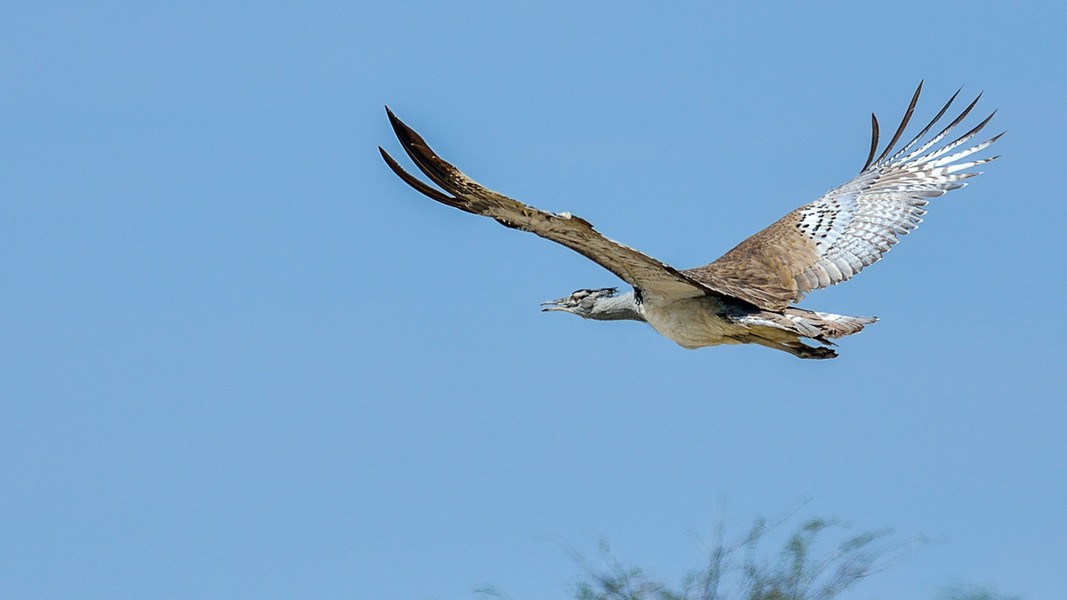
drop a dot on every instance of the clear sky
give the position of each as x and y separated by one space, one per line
240 359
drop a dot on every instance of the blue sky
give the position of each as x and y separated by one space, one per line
240 359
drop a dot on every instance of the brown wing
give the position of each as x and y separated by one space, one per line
852 226
649 275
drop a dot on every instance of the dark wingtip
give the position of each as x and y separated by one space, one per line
425 159
393 120
874 142
438 170
409 139
419 186
903 124
400 128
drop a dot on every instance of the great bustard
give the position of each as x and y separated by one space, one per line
745 296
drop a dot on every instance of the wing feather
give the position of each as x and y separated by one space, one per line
833 238
649 275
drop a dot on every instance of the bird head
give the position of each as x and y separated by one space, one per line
581 302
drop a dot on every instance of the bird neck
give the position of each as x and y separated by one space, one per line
616 308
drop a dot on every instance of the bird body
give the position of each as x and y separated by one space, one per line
747 295
693 322
699 321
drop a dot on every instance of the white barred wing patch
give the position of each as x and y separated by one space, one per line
833 238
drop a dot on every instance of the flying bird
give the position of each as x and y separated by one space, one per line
747 295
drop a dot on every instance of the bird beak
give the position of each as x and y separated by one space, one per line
553 305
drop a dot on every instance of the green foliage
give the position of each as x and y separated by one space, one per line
969 592
810 565
806 568
620 582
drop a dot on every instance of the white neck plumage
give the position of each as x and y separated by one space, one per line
615 308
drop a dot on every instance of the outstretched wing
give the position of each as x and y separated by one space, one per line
649 275
852 226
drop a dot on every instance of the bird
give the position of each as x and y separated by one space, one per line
748 295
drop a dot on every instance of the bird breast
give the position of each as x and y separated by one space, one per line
691 322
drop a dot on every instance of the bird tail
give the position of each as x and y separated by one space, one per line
784 330
820 325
